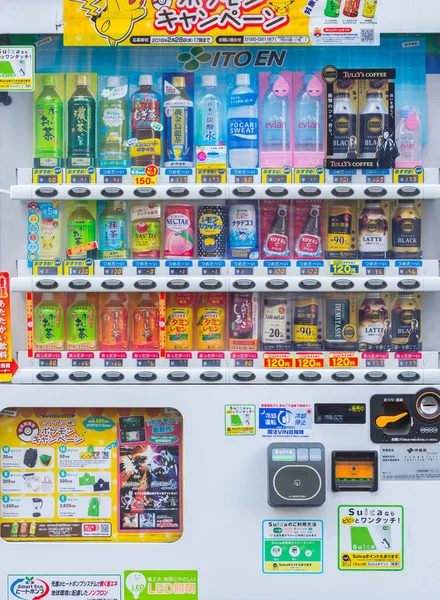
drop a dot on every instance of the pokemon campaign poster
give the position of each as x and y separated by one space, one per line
220 22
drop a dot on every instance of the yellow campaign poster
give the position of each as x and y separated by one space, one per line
91 475
220 22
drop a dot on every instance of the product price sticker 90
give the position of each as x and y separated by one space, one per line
278 361
343 360
309 361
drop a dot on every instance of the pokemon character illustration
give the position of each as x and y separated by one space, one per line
281 7
114 19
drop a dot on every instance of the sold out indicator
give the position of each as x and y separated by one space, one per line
343 360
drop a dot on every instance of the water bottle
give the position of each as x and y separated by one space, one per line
209 112
409 136
243 125
276 119
309 116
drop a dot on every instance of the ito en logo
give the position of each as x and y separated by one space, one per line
27 588
135 583
193 58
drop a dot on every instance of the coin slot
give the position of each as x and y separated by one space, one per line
354 471
428 405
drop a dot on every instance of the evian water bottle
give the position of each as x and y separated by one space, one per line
409 138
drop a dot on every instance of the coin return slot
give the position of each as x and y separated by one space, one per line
354 471
395 419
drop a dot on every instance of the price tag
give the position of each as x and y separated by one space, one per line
344 267
209 173
48 362
309 361
146 362
144 176
113 362
83 176
343 360
408 176
44 268
275 176
278 361
81 363
47 176
83 268
244 362
315 176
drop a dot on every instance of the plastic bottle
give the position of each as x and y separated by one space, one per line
146 124
113 121
309 116
276 116
409 138
146 327
81 229
309 242
81 125
114 324
179 134
209 114
373 122
243 142
81 324
332 9
48 323
113 230
48 122
277 242
145 230
344 119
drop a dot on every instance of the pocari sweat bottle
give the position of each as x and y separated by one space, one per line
243 125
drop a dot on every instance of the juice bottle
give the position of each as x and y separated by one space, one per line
211 322
146 328
81 125
179 231
179 134
48 323
81 324
81 230
113 122
145 229
113 230
48 123
114 324
146 127
180 321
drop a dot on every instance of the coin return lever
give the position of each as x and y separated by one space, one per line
354 471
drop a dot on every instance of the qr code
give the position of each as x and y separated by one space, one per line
367 36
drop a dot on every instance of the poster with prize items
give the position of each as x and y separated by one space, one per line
91 475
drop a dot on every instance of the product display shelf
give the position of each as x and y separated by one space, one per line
28 191
229 368
237 275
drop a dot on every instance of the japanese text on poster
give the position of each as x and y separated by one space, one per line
30 587
17 68
292 546
160 585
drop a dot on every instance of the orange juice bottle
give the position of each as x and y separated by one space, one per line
180 321
114 324
146 332
211 322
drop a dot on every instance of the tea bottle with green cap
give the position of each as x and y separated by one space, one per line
48 124
81 125
49 323
81 232
81 323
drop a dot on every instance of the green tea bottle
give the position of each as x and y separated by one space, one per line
81 125
48 122
113 124
81 324
49 323
81 230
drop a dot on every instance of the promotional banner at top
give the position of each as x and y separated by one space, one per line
220 22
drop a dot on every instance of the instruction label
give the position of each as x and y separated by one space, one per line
17 68
240 419
161 585
370 538
292 546
285 420
31 587
401 463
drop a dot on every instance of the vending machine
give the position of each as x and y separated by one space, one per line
219 299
